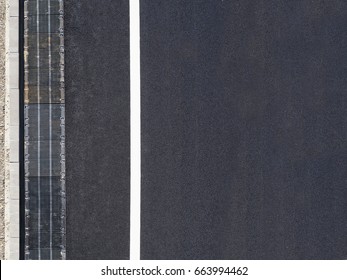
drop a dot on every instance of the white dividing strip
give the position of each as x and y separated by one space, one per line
135 131
38 129
62 136
50 129
10 123
26 139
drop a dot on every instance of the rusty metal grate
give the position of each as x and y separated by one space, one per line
44 130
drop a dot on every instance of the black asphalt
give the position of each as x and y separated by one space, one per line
244 129
97 129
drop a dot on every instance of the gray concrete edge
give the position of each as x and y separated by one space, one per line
12 120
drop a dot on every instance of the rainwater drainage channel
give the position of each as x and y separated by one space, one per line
43 180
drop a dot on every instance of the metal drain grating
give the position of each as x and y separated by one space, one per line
44 130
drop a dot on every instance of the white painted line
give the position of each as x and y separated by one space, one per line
135 131
62 135
38 129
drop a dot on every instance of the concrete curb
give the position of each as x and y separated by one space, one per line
2 125
12 122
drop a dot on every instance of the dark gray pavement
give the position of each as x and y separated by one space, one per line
244 129
97 129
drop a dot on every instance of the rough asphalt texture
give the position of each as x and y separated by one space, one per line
244 152
97 129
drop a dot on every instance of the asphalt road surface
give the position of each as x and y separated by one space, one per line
97 129
244 129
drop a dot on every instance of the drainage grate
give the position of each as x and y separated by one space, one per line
44 130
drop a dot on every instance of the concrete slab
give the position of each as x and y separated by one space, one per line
13 8
14 132
13 70
14 151
14 227
13 107
14 248
14 191
13 34
14 216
